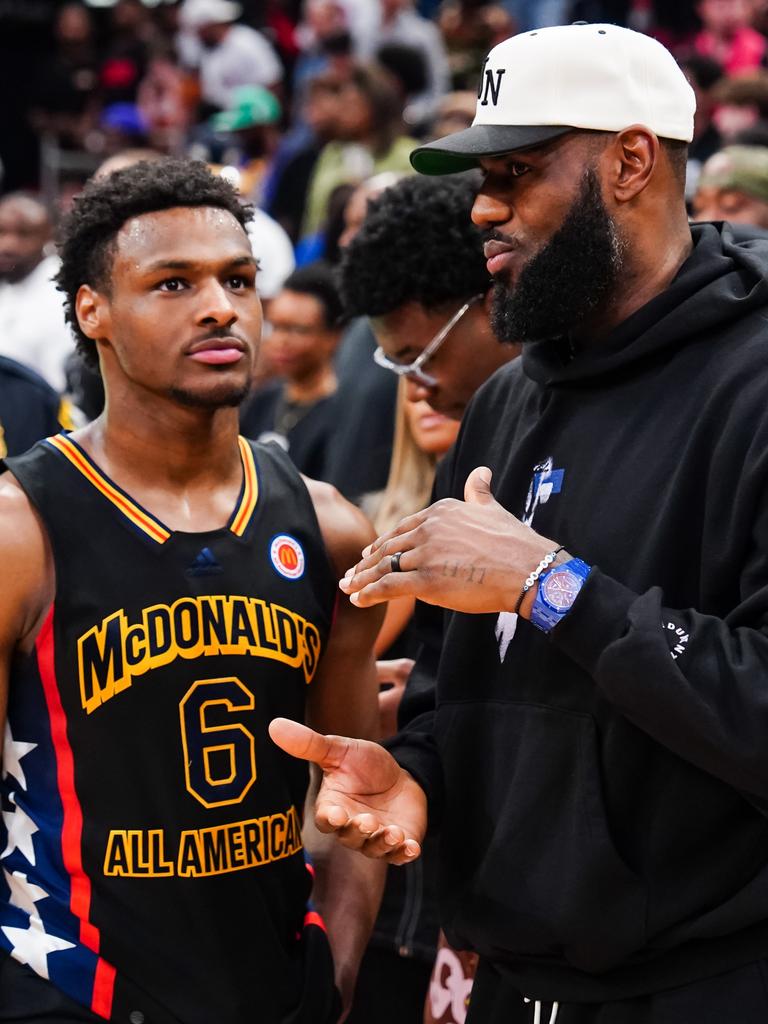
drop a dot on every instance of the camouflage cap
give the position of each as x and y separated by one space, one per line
741 168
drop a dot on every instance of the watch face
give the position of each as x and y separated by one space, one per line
560 589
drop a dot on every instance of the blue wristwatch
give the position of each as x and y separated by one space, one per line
558 589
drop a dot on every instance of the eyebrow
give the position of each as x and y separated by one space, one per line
238 261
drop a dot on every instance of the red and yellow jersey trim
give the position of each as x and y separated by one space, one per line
242 517
144 520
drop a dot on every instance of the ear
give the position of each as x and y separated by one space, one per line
93 313
635 155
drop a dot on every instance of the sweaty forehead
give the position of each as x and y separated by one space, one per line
182 233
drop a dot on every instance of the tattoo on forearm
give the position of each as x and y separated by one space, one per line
473 573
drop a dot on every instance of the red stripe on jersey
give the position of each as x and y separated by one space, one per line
312 917
72 828
103 989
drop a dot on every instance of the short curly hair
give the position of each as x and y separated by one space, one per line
417 244
88 233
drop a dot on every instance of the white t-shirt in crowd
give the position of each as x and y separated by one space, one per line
33 330
243 57
272 248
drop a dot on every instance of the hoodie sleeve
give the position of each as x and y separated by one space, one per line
696 683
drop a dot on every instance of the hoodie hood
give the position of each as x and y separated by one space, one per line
723 280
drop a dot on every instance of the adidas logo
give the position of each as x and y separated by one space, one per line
205 564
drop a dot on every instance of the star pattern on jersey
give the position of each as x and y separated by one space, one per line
20 828
13 752
24 894
32 946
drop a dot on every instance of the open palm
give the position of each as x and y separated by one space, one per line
366 798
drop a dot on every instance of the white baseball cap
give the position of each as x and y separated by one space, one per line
195 13
538 85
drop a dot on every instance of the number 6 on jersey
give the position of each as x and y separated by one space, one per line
219 759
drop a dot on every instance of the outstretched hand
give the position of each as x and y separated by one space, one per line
370 802
471 556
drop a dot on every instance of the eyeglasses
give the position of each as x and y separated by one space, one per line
415 370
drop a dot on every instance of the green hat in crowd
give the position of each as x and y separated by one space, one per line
741 168
252 106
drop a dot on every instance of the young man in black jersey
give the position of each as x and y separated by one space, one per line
167 589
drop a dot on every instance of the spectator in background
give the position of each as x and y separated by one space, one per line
326 44
733 186
29 409
65 86
413 268
288 182
324 245
369 139
455 112
704 74
33 330
741 104
125 63
361 448
230 55
299 338
401 24
727 35
251 126
409 66
470 29
163 100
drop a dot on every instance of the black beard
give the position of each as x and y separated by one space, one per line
567 279
233 395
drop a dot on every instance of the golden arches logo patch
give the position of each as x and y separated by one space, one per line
287 556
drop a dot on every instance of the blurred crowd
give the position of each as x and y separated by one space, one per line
311 108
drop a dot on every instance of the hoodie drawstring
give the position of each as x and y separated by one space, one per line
537 1011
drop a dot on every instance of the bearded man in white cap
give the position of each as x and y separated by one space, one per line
596 759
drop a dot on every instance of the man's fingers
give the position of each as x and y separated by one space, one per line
300 741
404 526
399 584
365 833
477 489
379 562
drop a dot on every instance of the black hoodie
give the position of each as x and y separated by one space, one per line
602 792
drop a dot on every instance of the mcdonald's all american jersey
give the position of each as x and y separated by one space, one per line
151 852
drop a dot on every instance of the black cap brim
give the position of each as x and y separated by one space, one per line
462 150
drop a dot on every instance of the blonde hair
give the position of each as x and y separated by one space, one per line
411 474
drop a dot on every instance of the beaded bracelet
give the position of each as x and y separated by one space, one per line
543 565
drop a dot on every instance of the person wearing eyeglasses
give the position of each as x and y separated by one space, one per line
301 332
416 269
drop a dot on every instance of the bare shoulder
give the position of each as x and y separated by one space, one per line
18 518
346 531
25 554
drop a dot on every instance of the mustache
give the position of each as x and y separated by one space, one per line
494 235
219 333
